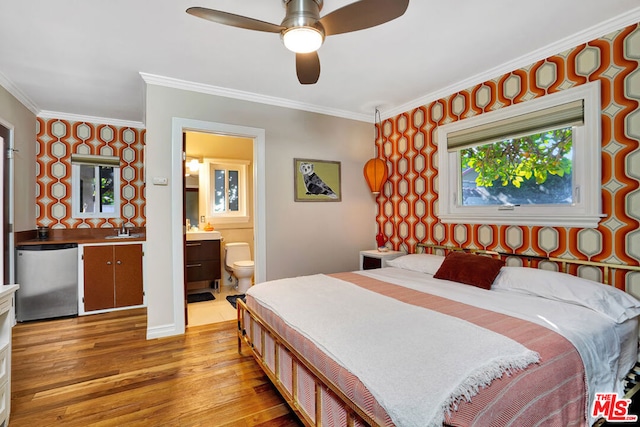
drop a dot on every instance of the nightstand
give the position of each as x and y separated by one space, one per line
376 259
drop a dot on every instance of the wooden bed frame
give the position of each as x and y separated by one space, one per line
355 414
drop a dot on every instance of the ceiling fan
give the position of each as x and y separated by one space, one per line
303 30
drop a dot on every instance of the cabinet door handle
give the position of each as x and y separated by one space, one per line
118 262
194 265
108 262
194 244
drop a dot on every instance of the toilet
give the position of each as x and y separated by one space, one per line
237 261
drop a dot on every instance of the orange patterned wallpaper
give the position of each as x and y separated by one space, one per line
406 209
57 140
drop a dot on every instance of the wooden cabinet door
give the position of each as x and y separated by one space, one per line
203 260
112 276
98 278
215 257
128 275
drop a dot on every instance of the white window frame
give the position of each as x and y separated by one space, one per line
585 212
205 196
75 191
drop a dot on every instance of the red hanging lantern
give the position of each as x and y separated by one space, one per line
376 174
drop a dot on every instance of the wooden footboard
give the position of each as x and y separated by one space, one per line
306 390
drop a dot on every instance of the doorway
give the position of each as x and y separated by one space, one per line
256 174
6 171
219 195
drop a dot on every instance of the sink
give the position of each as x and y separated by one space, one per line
203 235
124 236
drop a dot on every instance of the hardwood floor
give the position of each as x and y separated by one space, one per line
100 370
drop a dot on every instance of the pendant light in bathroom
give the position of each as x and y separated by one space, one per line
375 170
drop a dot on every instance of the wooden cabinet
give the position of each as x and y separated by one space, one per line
112 276
203 265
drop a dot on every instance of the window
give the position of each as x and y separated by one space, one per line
226 190
226 199
532 169
535 163
95 186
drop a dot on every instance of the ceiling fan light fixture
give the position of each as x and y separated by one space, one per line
303 39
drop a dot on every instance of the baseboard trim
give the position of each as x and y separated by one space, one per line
163 331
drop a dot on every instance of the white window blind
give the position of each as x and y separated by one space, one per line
556 117
95 160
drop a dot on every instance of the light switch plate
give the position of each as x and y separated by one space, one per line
160 180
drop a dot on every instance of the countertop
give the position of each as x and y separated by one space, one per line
79 236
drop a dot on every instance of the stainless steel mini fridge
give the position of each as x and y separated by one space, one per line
48 279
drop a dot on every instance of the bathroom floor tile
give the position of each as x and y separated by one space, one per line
218 310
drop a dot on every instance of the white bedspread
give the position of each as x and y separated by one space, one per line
406 383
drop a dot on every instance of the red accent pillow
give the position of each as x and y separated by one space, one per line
470 269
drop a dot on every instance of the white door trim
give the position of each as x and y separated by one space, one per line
11 186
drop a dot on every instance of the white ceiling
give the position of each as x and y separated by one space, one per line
90 58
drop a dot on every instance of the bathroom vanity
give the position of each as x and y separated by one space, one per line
203 262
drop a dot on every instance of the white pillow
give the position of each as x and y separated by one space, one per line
607 300
423 263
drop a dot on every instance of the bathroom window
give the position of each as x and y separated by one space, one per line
95 186
533 163
226 200
225 183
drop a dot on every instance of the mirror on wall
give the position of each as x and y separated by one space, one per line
191 205
192 191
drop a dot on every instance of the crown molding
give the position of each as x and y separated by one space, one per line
18 94
31 106
587 35
249 96
90 119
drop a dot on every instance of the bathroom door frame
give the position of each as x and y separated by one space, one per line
179 126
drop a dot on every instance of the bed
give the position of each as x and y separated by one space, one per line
446 337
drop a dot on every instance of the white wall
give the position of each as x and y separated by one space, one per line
301 238
14 114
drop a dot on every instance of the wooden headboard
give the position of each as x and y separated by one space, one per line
607 273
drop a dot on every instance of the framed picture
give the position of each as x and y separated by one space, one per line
316 181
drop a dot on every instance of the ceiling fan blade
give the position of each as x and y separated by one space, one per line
362 14
308 67
233 20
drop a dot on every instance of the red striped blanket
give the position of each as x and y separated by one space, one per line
552 393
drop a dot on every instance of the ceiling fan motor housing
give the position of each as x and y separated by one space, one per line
303 13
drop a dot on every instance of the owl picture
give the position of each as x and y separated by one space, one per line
313 183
